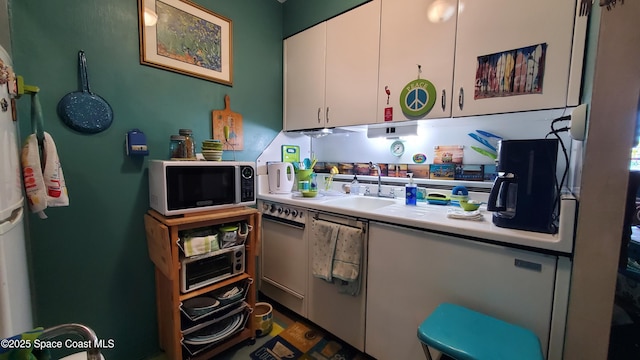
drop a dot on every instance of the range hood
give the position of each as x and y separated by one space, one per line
392 132
320 132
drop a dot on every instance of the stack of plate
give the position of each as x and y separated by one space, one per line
212 150
201 305
217 331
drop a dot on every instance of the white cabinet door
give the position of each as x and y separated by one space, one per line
408 39
495 26
304 79
411 272
331 71
353 40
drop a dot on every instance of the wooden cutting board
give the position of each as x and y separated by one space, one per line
227 117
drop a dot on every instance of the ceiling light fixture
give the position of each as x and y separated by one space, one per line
440 11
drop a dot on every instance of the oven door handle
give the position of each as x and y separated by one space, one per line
293 224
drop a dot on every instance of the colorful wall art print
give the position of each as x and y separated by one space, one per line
513 72
187 39
446 154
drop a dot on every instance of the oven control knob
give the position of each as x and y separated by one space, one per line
279 209
294 213
265 207
287 211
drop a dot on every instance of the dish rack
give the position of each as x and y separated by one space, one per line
203 331
208 336
222 307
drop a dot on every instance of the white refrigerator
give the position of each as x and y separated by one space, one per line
15 294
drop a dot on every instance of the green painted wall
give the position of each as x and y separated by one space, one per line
90 262
302 14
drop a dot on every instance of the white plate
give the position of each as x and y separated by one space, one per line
234 324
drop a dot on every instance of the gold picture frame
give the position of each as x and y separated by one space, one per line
172 44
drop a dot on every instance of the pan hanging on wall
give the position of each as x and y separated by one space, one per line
83 110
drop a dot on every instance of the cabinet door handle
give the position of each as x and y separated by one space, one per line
327 115
444 99
461 99
319 109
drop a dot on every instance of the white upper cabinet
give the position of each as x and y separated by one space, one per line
304 74
410 38
478 56
420 59
491 76
331 71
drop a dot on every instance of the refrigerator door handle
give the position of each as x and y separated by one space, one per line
11 222
7 213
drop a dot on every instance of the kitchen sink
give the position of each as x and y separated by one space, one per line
361 202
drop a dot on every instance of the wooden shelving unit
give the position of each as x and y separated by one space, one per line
162 241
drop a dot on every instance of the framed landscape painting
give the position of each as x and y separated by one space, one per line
186 38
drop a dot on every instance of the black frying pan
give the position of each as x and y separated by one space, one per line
85 111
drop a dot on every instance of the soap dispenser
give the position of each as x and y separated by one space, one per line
355 186
411 191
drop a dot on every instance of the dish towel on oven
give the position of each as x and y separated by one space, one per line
347 259
324 235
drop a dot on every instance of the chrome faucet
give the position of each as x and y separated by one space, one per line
376 167
88 336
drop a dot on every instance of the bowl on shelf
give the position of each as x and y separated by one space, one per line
212 155
210 143
200 305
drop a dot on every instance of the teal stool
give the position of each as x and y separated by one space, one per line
464 334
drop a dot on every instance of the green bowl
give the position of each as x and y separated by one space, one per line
309 193
212 147
469 205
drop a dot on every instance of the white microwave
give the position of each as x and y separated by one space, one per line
182 187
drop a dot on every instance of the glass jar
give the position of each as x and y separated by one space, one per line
177 148
189 143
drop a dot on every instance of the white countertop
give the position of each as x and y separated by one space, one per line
434 217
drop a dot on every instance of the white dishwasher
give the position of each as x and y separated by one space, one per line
412 271
284 259
341 314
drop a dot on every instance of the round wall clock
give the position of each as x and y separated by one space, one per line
397 148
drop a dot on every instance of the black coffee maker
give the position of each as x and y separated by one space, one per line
524 194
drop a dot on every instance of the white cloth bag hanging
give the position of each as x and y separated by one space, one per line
43 180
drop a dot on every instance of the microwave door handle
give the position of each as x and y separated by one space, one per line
238 183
